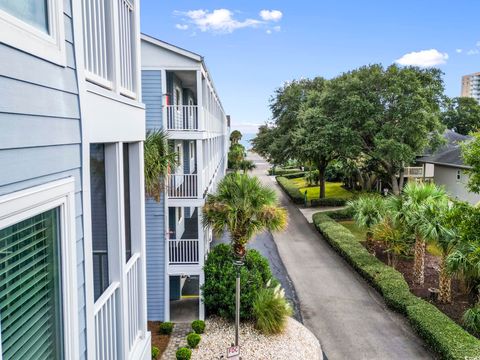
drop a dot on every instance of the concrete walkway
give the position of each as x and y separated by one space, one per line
349 318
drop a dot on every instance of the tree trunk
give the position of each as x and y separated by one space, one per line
445 284
321 178
419 261
369 240
395 187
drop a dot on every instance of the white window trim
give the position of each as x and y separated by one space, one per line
26 37
27 203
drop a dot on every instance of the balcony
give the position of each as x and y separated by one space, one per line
182 186
182 117
414 171
183 251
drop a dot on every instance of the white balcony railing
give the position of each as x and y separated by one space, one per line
414 171
106 327
96 33
125 21
182 117
182 186
133 300
183 251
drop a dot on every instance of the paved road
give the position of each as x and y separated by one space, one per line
349 318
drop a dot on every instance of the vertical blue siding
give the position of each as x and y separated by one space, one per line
154 211
40 133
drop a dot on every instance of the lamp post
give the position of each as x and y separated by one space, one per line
238 263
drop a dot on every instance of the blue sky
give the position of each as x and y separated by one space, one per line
252 47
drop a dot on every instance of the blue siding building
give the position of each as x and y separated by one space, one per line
180 98
65 294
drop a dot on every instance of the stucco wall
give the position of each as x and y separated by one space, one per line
447 176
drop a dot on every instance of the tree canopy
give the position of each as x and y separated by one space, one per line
462 114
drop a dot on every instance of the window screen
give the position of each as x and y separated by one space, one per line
33 12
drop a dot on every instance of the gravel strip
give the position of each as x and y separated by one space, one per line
296 342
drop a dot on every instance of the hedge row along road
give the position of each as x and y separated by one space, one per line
348 316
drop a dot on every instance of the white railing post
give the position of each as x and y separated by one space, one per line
200 168
201 120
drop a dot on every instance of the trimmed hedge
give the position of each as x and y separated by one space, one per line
294 175
282 171
328 202
292 191
438 330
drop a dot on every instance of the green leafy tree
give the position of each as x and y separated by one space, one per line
471 157
235 137
320 139
159 159
263 140
394 112
462 114
236 155
243 207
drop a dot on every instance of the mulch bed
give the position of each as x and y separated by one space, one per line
460 301
158 340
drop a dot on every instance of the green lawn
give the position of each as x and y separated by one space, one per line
359 233
333 190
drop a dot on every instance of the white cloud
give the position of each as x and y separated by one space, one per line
277 28
269 32
473 52
271 15
217 21
423 58
182 26
459 51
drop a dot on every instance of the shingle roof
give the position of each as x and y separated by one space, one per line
449 154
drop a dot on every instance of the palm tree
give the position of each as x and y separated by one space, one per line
247 165
235 137
368 211
440 228
415 213
243 207
158 160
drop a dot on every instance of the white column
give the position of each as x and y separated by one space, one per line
201 110
164 102
201 255
200 169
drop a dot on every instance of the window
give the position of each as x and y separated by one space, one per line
127 206
179 214
192 150
30 288
459 175
98 199
179 156
38 290
34 26
33 12
177 99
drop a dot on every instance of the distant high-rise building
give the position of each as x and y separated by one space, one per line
471 86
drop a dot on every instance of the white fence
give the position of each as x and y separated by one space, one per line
106 327
182 186
125 21
133 300
414 171
183 251
182 117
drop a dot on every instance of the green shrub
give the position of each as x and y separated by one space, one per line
343 214
313 177
155 352
198 326
291 190
439 331
294 175
220 274
166 328
442 334
193 340
328 202
471 319
183 353
271 310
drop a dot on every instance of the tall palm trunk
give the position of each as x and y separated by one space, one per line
369 239
419 261
445 283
